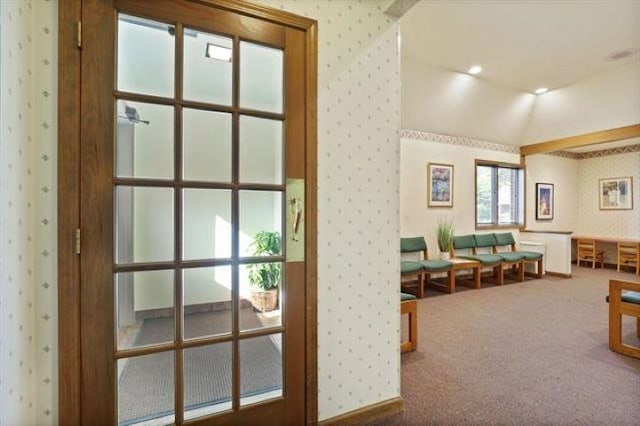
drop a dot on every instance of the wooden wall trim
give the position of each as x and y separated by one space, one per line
264 12
367 414
69 379
311 196
609 135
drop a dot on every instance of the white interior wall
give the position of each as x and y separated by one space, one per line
601 102
563 174
416 218
451 103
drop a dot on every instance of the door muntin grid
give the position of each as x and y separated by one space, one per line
187 182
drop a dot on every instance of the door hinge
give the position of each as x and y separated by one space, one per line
78 241
79 35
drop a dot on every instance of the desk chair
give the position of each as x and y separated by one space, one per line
587 252
629 255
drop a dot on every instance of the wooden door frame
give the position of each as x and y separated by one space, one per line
69 321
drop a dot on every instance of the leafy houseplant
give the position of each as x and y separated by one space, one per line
265 277
444 235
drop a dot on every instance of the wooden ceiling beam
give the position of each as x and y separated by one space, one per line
609 135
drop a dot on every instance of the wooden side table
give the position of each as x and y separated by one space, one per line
461 264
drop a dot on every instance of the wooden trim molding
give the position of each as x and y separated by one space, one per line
311 196
609 135
367 414
263 12
69 358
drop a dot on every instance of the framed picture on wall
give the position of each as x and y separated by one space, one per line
440 185
544 201
616 193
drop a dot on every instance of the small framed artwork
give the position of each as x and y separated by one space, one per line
616 193
544 201
440 185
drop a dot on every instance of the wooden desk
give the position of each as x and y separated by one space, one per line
449 285
611 240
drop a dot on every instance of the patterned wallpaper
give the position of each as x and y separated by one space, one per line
596 154
609 223
28 336
359 363
458 140
358 199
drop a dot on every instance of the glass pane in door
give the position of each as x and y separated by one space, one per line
208 67
207 380
144 224
145 56
207 145
260 213
144 304
261 150
146 389
261 297
261 77
260 368
144 140
206 224
207 301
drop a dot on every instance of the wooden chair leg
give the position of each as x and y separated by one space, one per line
521 271
615 322
500 274
539 269
411 309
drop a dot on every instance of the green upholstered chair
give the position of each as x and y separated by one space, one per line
510 261
506 239
466 245
408 268
409 307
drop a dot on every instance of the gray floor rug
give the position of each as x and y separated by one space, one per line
146 385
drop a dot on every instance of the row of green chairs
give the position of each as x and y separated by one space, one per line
498 252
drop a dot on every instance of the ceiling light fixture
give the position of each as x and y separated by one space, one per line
541 90
476 69
218 52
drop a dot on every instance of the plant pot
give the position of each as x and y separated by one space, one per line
264 301
445 255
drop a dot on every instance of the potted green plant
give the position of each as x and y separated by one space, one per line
444 235
265 277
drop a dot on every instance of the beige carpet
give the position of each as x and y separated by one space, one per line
528 353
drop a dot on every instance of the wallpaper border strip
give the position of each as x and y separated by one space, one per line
457 140
597 154
492 146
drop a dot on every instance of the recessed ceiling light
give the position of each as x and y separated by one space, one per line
476 69
541 90
218 52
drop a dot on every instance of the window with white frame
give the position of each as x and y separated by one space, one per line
499 194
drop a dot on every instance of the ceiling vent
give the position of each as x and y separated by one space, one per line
619 55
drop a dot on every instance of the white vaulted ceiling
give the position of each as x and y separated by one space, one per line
523 44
